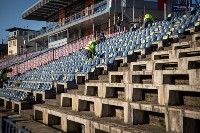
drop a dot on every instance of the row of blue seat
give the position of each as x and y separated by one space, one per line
65 68
13 94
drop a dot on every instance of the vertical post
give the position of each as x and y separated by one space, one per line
115 13
36 47
165 11
186 6
79 36
93 30
96 34
144 11
133 10
49 40
122 13
67 35
109 23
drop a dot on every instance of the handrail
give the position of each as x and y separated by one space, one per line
51 54
70 19
22 130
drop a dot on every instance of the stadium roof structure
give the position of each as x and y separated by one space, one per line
15 28
44 8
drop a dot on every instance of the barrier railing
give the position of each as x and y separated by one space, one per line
52 54
11 127
99 7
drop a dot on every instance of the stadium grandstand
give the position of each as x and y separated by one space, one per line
142 79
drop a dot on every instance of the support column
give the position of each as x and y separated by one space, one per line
45 116
79 33
165 11
115 13
174 121
127 113
109 23
64 123
93 30
98 107
133 10
67 35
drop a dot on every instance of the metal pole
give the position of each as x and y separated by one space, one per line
109 22
93 31
186 6
115 13
133 10
122 13
36 47
165 11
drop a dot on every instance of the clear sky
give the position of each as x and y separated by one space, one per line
10 16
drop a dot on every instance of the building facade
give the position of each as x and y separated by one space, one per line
71 20
18 41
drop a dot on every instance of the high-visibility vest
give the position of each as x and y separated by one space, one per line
91 46
148 16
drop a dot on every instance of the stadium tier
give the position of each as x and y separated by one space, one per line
138 82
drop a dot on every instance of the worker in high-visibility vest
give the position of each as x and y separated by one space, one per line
90 48
148 20
3 76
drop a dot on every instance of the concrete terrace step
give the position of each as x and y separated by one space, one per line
53 102
98 81
29 114
123 69
108 121
103 77
76 91
33 126
58 97
81 87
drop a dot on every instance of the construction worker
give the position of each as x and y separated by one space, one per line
4 77
90 49
169 17
148 20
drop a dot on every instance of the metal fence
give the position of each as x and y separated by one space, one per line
10 127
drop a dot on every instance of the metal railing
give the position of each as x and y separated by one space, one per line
99 7
52 54
11 127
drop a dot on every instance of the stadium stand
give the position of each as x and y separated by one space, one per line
148 78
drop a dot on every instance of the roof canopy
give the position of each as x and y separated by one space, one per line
15 28
45 8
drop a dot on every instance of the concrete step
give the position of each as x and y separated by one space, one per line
103 77
52 102
148 58
123 69
34 126
168 48
29 114
98 81
76 91
110 121
81 87
186 39
58 97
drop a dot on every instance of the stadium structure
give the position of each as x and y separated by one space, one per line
144 81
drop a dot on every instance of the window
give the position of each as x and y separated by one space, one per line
14 43
10 43
14 33
25 33
10 34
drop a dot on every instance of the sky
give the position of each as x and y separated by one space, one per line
11 16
